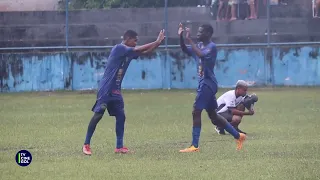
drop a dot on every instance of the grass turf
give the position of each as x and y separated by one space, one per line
282 143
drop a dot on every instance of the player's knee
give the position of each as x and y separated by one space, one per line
120 116
212 115
236 120
196 112
97 116
220 120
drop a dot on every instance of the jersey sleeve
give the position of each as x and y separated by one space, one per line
189 49
135 55
191 52
122 50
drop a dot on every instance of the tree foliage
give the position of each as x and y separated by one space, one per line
105 4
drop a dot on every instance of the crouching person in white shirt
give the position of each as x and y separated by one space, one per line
232 105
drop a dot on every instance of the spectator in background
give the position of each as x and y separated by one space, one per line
317 6
222 4
253 14
223 10
233 4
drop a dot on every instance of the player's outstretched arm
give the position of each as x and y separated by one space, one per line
147 48
182 44
194 47
237 110
160 38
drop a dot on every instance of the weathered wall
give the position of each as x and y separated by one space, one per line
105 27
83 70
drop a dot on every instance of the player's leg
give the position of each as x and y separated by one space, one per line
120 122
196 126
196 130
236 120
116 109
98 109
198 106
215 118
220 121
228 116
92 126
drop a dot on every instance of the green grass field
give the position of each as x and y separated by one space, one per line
283 138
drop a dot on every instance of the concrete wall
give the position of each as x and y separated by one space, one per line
105 27
83 70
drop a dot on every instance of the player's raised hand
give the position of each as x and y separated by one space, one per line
161 36
180 30
188 34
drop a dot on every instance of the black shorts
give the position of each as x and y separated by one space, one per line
205 99
114 105
227 115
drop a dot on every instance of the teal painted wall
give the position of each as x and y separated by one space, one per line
280 66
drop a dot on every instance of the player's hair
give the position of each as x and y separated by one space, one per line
208 29
241 84
129 34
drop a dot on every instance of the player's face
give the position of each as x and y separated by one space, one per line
242 91
131 42
201 35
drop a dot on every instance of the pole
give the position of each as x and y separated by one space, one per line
269 49
269 22
166 21
166 63
67 25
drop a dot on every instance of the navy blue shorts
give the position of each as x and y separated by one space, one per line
205 99
114 105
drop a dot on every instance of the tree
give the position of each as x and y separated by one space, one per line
105 4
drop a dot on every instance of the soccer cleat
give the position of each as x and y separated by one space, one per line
240 141
86 149
190 149
240 131
122 150
220 131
